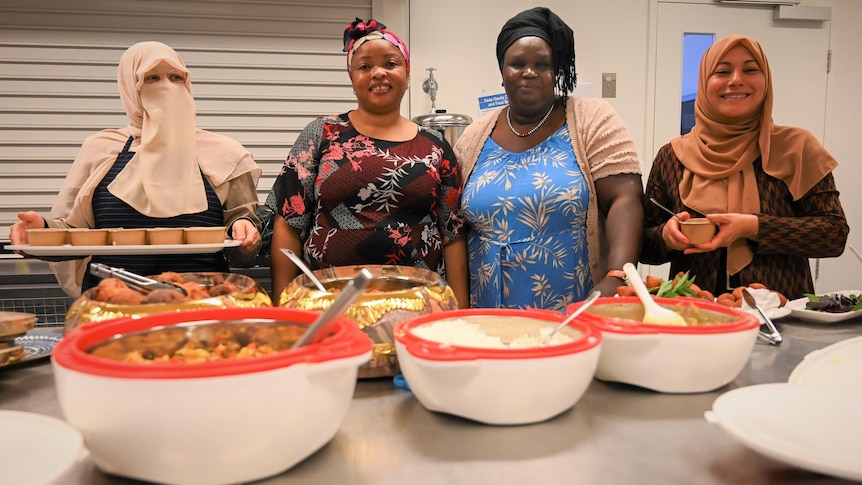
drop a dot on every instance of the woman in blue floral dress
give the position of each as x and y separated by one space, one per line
370 186
553 193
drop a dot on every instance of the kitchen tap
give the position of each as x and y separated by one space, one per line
429 86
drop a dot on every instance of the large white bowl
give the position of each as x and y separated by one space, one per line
217 422
498 386
672 359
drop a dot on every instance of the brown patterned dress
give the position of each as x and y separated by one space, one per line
790 232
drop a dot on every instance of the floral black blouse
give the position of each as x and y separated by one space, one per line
360 200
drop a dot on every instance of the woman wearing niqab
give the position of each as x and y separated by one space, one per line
160 170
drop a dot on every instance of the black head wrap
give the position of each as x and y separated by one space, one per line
541 22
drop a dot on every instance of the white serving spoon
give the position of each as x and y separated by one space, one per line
303 267
653 313
593 296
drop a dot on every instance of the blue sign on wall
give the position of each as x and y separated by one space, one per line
493 101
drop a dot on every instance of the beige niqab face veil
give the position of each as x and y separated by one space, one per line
163 178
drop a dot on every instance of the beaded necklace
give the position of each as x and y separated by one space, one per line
533 130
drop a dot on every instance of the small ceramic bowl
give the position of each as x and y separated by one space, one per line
698 230
47 237
204 235
165 235
127 237
88 237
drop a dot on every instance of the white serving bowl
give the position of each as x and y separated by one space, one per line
667 358
218 422
503 386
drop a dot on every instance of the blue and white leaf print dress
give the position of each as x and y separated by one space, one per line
528 214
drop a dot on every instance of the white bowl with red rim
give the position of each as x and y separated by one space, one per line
670 358
225 421
501 386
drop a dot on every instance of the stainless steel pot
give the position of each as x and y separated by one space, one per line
451 125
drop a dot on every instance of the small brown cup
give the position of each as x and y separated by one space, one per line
205 235
698 230
88 237
47 237
165 235
128 237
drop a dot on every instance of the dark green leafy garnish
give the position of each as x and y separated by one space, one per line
833 303
679 286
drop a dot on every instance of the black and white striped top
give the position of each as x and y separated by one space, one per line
111 212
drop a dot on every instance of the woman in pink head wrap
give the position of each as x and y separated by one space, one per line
160 170
769 188
370 186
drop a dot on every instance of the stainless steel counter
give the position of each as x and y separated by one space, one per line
616 434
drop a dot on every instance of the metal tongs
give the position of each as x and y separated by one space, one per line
134 281
773 337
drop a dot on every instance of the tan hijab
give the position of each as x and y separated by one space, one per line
719 152
163 177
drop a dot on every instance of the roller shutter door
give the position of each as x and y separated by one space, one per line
261 70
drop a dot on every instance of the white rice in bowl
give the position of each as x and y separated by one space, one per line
493 332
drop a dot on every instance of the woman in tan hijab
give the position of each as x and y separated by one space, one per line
160 170
768 188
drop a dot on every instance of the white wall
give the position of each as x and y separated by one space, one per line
457 38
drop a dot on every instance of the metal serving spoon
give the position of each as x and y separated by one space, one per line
593 296
855 252
348 294
672 213
303 267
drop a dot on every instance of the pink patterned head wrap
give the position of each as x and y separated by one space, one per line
359 32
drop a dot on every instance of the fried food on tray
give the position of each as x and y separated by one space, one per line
683 285
224 288
164 296
170 277
107 288
196 291
112 290
125 296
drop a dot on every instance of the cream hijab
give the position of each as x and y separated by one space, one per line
163 177
719 152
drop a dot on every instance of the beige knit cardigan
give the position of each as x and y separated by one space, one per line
602 145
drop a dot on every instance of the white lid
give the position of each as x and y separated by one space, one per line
36 449
838 365
812 427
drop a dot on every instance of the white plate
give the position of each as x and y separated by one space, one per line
815 428
773 313
797 309
838 365
37 449
68 250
